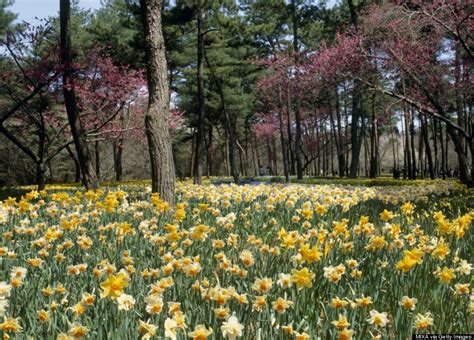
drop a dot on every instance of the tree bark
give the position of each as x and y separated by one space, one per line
356 135
463 174
156 118
284 148
210 162
425 132
118 152
200 95
230 124
77 166
89 177
41 176
291 154
193 153
412 141
298 135
97 159
373 142
435 146
462 157
341 159
407 152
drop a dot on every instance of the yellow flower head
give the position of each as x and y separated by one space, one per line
11 325
200 332
114 285
302 278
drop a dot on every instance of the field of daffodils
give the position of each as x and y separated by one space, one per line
262 261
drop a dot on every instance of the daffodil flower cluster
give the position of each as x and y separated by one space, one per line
229 261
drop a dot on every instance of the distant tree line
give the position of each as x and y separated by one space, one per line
296 87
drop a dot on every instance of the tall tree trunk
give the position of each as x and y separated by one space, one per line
253 151
407 151
298 134
118 152
269 154
209 152
97 160
366 156
257 154
335 135
356 135
200 95
435 145
77 166
226 153
89 177
247 162
426 138
193 153
373 143
462 157
446 148
346 133
230 124
463 171
421 147
232 144
443 151
394 142
291 154
40 164
412 141
41 176
274 157
156 117
341 160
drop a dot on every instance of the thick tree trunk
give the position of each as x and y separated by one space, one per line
356 135
200 95
89 177
156 117
298 134
41 176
